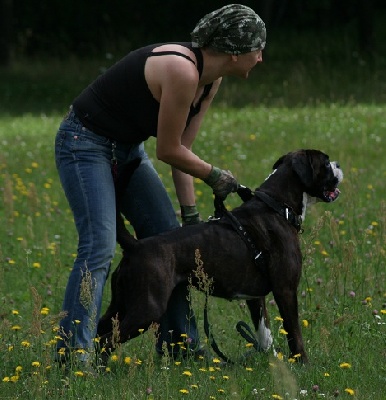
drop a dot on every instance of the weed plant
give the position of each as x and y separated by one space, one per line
342 293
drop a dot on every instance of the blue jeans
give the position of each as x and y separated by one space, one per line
83 160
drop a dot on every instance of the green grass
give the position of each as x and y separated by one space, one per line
342 294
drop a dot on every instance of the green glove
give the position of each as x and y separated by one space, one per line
222 182
190 215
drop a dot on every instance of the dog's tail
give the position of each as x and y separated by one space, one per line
124 238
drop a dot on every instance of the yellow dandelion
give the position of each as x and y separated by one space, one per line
10 261
291 360
108 369
297 355
14 378
211 369
202 369
324 253
221 390
79 373
226 377
138 361
141 330
317 242
114 358
18 369
276 396
6 379
81 351
76 321
184 335
24 343
194 386
280 319
16 327
34 164
326 374
383 311
249 369
216 361
45 311
62 351
15 312
187 373
35 364
96 340
184 391
283 331
10 348
213 378
36 265
280 356
368 299
177 363
249 345
127 360
305 323
345 365
28 170
349 391
47 185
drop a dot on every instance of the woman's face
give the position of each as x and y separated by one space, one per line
245 62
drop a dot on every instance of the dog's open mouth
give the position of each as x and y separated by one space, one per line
329 196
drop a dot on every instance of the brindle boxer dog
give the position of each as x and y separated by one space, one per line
271 219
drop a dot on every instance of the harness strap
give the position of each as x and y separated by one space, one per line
221 211
282 209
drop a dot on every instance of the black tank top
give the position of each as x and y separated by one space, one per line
119 104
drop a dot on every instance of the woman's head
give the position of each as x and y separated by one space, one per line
234 29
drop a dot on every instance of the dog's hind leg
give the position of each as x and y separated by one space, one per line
259 316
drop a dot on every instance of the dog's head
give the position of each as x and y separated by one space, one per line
317 173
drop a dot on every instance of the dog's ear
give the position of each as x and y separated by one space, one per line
302 165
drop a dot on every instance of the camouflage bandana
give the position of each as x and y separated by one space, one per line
233 29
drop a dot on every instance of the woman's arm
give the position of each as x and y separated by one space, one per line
184 182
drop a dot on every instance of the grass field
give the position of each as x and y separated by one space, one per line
342 294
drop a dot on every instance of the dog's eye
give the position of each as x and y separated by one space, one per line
327 164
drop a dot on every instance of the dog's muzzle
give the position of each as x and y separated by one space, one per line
330 194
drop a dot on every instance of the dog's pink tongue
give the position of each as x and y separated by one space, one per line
334 195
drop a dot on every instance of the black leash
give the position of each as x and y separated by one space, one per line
242 327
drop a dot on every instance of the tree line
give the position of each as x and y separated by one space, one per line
88 27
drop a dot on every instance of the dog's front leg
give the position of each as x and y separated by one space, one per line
259 316
288 307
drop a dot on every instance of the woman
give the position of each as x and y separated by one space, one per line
161 90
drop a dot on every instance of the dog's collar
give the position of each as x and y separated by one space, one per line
282 209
